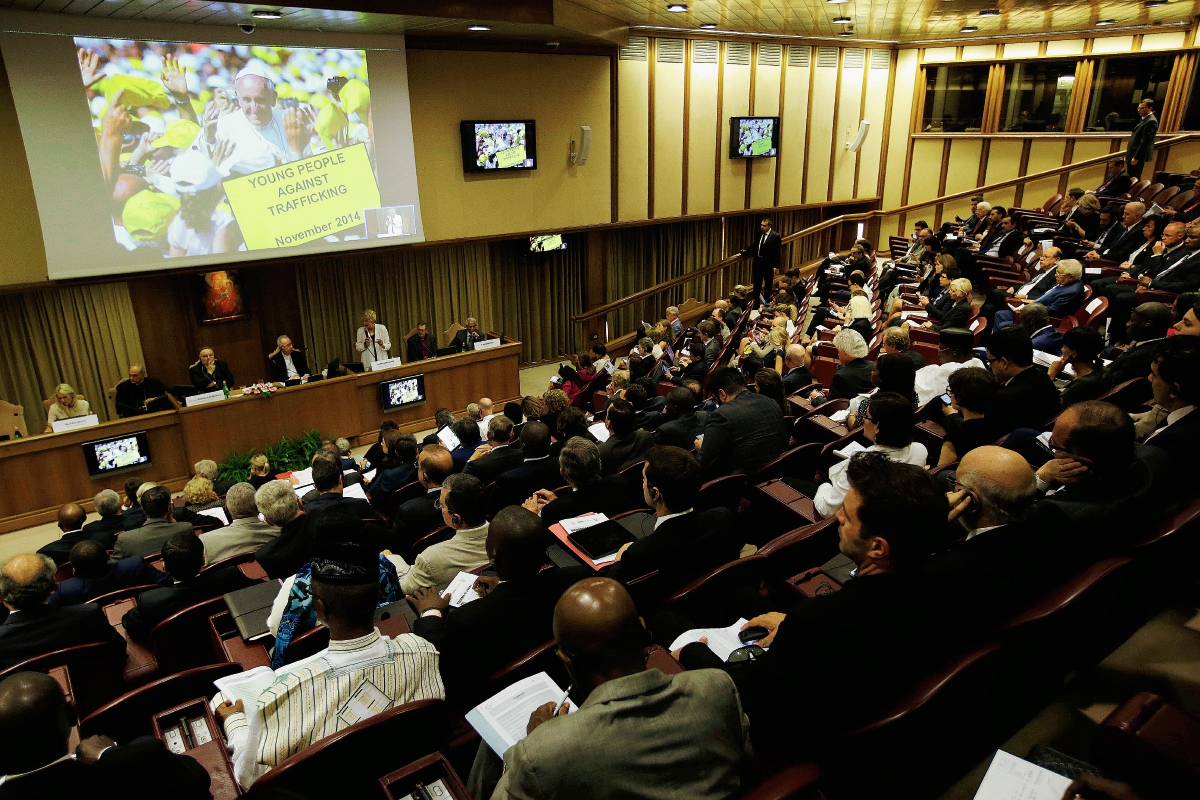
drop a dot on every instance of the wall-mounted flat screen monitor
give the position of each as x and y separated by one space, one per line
127 451
543 244
490 145
753 137
402 392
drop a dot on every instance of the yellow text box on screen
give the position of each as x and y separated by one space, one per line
512 157
305 200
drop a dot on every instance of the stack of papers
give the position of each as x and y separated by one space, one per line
461 590
502 720
849 450
599 431
1012 778
839 416
721 641
303 477
218 513
246 686
370 476
355 490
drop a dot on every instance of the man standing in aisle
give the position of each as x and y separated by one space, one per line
1141 141
765 251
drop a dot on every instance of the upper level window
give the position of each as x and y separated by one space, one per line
1119 84
954 98
1191 114
1036 96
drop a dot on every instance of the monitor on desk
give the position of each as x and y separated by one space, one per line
402 392
117 454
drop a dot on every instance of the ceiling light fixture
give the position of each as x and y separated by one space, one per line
478 28
266 13
836 2
846 33
990 12
1106 22
970 28
841 20
1154 3
677 8
709 26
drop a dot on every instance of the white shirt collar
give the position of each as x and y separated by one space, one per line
538 458
6 778
973 532
663 519
1179 414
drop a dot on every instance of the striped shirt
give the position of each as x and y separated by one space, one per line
353 679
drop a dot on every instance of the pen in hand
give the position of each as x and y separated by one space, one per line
562 700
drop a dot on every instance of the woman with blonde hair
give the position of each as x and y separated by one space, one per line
198 495
260 471
66 405
957 315
371 339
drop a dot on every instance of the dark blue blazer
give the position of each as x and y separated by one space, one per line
43 629
388 480
132 571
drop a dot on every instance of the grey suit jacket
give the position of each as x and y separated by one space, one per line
647 735
240 536
148 539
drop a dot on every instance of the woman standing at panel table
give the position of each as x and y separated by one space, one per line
208 374
372 340
66 405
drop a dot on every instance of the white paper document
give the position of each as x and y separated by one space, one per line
721 641
446 436
502 719
461 590
1044 358
849 450
303 477
246 686
370 476
354 490
74 423
576 524
218 513
1093 270
599 431
1012 778
840 416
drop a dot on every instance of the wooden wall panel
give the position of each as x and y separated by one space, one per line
1044 154
702 139
735 103
1090 177
795 131
907 69
867 184
820 133
1183 157
1004 162
926 168
766 104
633 122
962 171
848 116
668 139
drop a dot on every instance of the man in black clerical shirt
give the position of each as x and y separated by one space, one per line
141 394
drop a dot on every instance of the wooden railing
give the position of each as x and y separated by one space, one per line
830 230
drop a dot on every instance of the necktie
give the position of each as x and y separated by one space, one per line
1174 266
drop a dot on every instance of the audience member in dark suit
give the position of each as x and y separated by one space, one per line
466 338
421 515
896 340
375 455
208 374
398 466
289 551
1118 181
537 470
94 576
160 526
989 571
853 377
1175 379
624 445
712 345
132 515
499 455
139 394
514 614
467 432
35 732
71 522
1182 276
871 632
572 422
684 423
1110 488
183 556
685 543
34 627
1122 240
421 344
442 418
285 352
111 523
327 481
1145 331
579 465
745 432
1141 139
1028 397
972 392
765 250
797 375
647 404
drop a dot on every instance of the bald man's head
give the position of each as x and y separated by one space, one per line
71 517
794 355
34 723
1002 482
599 633
27 580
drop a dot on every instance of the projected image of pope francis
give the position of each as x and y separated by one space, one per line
262 134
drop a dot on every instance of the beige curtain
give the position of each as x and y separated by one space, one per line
82 335
538 293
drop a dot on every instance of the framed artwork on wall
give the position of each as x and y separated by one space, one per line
219 297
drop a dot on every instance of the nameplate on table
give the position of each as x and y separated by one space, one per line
385 363
487 344
75 423
206 397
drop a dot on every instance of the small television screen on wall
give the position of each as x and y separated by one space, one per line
753 137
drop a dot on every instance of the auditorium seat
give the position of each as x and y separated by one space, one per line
798 462
95 675
800 549
399 784
128 716
231 561
723 492
818 428
1164 197
1090 313
442 534
792 782
184 639
121 594
712 587
1152 744
386 506
1130 395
